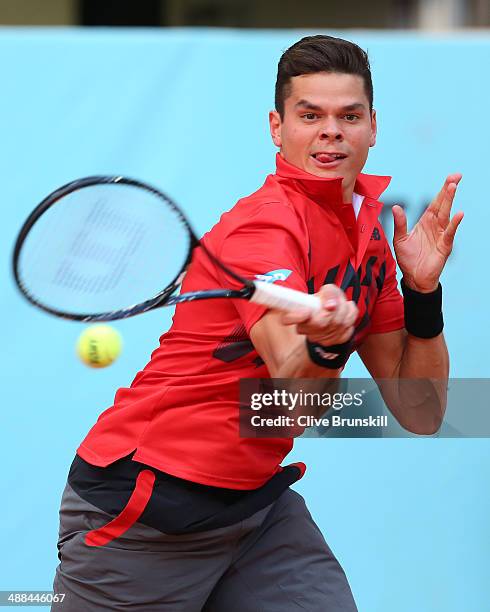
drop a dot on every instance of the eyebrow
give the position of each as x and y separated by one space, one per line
315 107
355 106
306 104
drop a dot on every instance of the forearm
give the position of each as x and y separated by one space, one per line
302 344
300 374
424 364
297 364
417 395
307 350
424 358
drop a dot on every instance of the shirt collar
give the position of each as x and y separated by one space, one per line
322 189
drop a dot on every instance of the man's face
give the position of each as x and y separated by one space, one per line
327 127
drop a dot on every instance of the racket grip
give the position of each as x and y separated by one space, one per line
283 298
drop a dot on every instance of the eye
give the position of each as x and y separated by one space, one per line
351 118
309 116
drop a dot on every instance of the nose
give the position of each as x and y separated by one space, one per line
331 130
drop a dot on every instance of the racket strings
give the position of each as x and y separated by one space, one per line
88 248
103 248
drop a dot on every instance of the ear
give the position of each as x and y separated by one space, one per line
374 129
275 125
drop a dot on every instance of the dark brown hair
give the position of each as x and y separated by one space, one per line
321 54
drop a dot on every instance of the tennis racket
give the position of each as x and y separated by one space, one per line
108 247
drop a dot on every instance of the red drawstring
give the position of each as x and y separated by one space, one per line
129 515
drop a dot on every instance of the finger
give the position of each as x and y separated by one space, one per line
340 314
320 323
313 328
349 315
335 336
331 296
340 328
447 202
436 203
314 322
295 316
451 229
400 223
454 178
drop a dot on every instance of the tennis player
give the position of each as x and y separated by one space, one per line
166 506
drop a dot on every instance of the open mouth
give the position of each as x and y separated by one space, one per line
328 159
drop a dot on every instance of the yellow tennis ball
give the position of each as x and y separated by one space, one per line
99 345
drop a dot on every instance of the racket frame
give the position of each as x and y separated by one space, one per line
260 292
164 297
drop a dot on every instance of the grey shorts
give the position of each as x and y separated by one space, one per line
275 561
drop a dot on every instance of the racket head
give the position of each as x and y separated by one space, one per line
37 262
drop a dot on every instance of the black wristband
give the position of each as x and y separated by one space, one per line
332 357
423 312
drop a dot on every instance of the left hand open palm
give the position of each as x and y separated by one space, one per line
423 252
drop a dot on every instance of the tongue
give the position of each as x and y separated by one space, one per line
324 158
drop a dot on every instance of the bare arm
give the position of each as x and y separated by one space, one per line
280 339
411 371
412 376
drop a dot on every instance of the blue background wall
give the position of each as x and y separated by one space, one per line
187 111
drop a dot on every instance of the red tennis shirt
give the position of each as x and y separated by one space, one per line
180 414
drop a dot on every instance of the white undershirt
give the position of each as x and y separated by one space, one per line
357 203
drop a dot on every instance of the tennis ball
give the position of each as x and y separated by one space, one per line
99 345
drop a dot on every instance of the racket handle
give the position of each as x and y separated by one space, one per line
283 298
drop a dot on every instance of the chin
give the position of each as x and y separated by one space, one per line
324 172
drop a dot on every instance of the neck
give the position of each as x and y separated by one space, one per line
347 193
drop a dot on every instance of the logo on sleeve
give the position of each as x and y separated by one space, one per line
273 276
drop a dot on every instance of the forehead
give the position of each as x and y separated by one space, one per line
327 88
